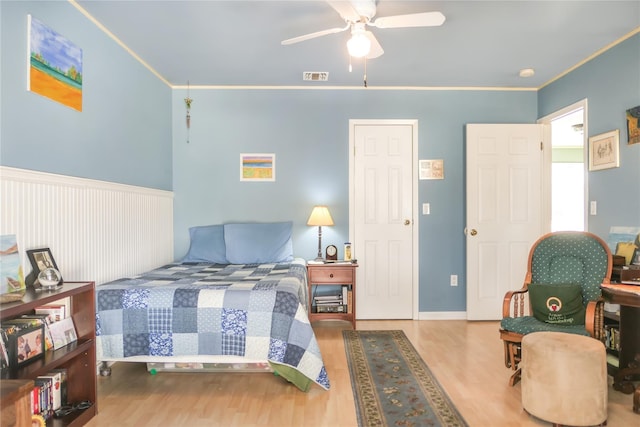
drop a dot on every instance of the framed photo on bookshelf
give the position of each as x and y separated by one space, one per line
40 260
24 343
63 332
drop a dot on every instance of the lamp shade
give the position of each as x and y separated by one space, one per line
320 216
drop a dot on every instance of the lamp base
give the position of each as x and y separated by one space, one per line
319 259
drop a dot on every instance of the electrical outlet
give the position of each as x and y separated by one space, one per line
454 280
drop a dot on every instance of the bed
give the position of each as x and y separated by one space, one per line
238 296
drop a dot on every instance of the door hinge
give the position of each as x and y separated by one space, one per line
541 146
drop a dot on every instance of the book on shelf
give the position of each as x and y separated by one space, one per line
327 297
331 308
4 355
350 301
45 396
63 384
58 311
56 392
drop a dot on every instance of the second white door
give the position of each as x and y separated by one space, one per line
505 210
381 218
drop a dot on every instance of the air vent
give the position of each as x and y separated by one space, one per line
315 76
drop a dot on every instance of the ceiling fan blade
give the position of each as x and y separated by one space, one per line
314 35
346 10
376 50
425 19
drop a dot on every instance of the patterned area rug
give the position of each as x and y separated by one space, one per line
392 385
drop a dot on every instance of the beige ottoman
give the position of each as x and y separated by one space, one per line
564 378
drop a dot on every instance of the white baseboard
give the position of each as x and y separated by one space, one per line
442 315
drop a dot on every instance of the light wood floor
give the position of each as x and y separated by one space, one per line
466 357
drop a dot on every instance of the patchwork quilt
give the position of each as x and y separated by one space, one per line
253 310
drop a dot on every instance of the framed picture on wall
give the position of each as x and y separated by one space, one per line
257 167
633 125
604 150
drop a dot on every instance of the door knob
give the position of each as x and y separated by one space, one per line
473 232
407 222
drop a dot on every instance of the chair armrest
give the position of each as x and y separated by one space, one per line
594 319
517 297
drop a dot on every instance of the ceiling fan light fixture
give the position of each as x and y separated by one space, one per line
359 44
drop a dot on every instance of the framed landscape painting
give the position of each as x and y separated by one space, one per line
55 65
257 167
12 283
633 125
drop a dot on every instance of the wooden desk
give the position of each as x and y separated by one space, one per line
628 296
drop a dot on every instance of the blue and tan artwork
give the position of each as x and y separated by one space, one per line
11 277
55 66
257 167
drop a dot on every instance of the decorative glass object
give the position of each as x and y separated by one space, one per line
49 278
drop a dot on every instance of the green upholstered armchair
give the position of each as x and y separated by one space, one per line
556 260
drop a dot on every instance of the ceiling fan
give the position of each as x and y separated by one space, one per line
358 14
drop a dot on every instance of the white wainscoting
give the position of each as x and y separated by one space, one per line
96 230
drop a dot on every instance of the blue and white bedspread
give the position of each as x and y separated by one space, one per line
254 311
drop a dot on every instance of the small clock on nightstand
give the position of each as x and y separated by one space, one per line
331 253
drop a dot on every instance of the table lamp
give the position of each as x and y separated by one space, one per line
320 216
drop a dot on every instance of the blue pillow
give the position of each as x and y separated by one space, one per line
207 245
255 243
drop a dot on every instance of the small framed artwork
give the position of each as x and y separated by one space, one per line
431 169
633 125
40 259
12 283
257 167
604 150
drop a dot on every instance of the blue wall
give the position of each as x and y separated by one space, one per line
308 131
132 131
123 133
611 84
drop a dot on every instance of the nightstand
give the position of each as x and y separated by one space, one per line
332 291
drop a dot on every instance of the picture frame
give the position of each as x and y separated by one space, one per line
604 150
25 343
40 259
257 167
431 169
12 281
633 125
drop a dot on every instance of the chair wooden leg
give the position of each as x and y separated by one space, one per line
507 354
515 378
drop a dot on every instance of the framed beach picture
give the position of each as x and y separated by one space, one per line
604 150
12 284
257 167
55 65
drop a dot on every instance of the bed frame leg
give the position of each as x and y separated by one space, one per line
105 370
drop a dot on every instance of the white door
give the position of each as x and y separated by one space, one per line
506 207
382 231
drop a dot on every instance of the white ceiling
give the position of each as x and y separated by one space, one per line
481 44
